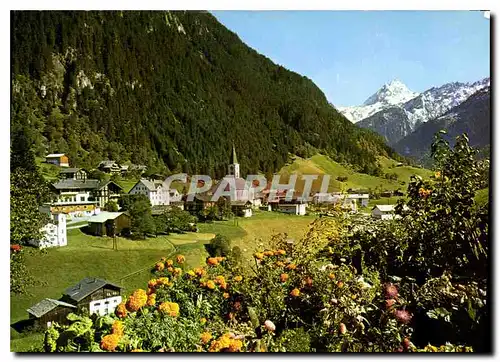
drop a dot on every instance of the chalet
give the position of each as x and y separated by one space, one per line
47 311
153 190
54 233
58 159
73 174
124 169
361 199
383 212
109 167
95 295
200 202
242 208
109 223
107 191
84 196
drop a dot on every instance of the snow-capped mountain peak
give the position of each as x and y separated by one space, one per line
392 93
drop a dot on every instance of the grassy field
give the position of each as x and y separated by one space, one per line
49 172
130 265
319 165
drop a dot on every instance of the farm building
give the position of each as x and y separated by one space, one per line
95 295
296 208
109 167
47 311
54 233
241 208
384 212
109 223
361 199
153 190
58 159
73 173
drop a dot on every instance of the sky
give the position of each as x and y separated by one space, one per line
351 54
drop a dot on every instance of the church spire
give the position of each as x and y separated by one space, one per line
234 159
234 167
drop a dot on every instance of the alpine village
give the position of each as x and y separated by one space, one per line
111 253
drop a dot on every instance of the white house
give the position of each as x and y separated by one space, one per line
153 190
384 212
296 209
325 198
54 233
362 199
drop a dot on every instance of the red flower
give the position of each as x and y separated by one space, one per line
15 248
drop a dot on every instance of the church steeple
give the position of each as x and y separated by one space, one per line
234 166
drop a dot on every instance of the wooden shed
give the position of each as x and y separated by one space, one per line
58 159
109 223
44 313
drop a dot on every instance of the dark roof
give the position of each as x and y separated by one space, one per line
76 184
85 287
45 306
70 170
110 182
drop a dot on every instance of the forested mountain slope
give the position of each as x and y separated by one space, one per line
172 90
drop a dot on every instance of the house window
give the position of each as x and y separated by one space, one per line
97 304
82 198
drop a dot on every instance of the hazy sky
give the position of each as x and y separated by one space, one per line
350 54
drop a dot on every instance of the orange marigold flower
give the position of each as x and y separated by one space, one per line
210 284
281 252
163 281
283 277
331 276
110 342
212 261
181 259
235 345
177 271
170 308
205 337
220 258
117 328
151 300
203 320
152 283
191 273
170 262
200 271
268 253
170 269
121 310
219 279
340 284
203 284
225 295
238 278
259 255
159 266
223 285
291 266
295 292
437 174
137 300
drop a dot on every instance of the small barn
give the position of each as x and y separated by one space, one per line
109 223
292 208
58 159
95 295
384 212
47 311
